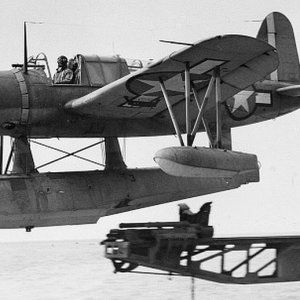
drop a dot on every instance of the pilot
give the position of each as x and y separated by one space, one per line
63 74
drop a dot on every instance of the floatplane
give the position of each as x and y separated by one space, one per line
208 86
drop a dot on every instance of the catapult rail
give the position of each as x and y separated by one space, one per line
193 251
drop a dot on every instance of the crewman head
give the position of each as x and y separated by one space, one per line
62 61
71 63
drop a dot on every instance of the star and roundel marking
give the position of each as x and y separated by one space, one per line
242 105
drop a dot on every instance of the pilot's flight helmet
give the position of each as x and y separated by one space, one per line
62 59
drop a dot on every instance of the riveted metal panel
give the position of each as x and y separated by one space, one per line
18 184
24 94
25 101
24 115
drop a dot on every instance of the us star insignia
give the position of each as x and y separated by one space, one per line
241 105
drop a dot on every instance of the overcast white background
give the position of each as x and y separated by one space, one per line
132 29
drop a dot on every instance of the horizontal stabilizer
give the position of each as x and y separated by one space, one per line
291 91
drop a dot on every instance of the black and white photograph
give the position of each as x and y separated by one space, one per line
149 150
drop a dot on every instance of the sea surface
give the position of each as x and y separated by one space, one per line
78 270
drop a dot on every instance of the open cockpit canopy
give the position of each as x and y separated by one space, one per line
92 70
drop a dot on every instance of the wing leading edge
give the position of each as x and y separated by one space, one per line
242 61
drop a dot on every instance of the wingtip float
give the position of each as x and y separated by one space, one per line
206 162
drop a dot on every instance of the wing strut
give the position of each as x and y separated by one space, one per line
215 82
187 81
218 142
201 107
169 106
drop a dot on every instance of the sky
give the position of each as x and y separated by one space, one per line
133 30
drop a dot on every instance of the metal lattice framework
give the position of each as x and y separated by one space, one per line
190 250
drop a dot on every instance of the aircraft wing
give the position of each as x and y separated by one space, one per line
242 61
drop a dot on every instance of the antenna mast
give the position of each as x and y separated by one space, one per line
25 49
